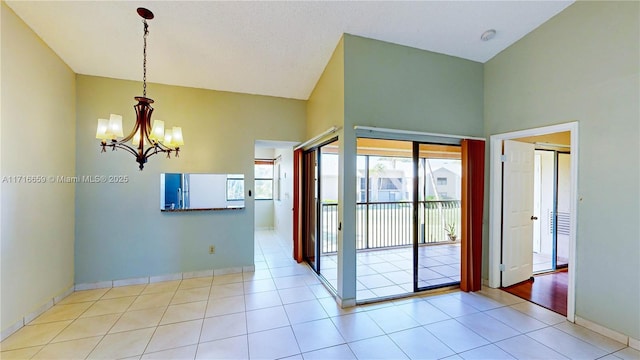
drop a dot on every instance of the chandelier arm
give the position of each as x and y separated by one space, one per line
163 147
156 152
120 145
152 150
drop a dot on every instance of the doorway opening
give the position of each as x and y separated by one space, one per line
552 183
273 176
533 200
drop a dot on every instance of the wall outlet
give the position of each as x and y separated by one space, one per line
212 249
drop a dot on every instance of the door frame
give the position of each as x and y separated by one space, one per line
495 203
317 149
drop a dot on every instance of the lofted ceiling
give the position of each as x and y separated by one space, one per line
263 47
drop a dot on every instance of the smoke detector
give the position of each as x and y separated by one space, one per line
488 35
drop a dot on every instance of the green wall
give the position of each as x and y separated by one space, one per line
325 107
394 86
37 139
120 231
583 65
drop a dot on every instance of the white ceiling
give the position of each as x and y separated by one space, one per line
262 47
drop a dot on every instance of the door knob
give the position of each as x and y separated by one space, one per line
534 218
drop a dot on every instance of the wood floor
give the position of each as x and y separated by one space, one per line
547 290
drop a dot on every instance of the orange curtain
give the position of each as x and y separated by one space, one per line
472 208
297 205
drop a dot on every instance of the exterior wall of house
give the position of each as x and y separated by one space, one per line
451 189
37 139
582 65
120 232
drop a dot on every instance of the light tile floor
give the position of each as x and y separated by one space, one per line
282 311
389 272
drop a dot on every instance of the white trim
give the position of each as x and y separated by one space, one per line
612 334
12 329
163 278
26 319
39 311
495 204
93 286
197 274
227 271
131 281
66 293
634 343
345 303
329 131
411 132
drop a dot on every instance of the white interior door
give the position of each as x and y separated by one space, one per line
517 212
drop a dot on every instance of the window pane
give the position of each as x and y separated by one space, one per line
264 189
264 171
235 189
390 178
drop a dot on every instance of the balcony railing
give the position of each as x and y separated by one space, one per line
389 224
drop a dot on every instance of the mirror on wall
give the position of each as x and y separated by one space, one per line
183 191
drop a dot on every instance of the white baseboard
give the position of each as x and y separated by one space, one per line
44 307
11 329
132 281
93 286
197 274
26 319
166 277
227 271
634 343
617 336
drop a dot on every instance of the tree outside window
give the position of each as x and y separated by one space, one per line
264 179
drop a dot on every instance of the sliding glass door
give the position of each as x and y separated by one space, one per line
437 194
310 206
320 222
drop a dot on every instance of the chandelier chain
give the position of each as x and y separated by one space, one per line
144 58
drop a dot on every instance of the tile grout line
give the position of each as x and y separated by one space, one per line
155 330
204 317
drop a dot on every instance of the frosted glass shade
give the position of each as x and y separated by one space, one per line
101 131
177 136
168 137
157 131
115 126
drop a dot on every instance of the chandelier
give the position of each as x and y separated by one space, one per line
146 140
